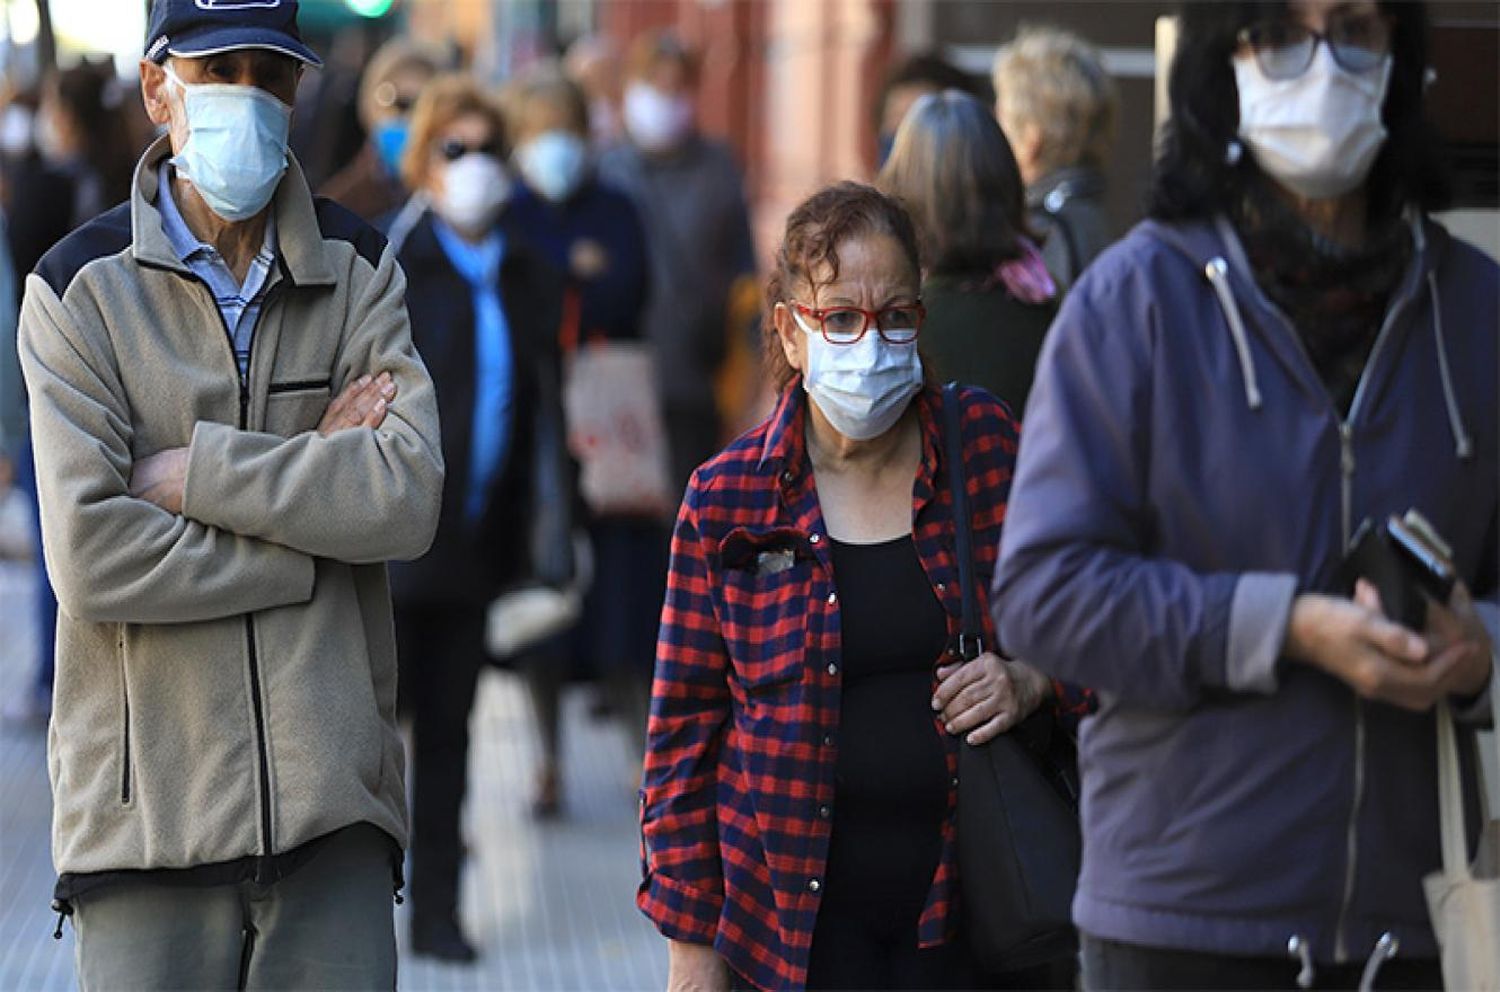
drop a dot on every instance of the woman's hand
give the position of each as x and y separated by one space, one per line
1382 660
695 968
987 696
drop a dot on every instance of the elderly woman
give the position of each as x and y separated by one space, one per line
797 809
1290 345
485 313
1057 105
988 294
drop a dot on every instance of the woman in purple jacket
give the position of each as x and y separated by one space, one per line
1288 346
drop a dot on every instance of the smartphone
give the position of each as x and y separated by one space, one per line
1408 564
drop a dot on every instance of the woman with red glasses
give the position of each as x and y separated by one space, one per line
485 313
798 798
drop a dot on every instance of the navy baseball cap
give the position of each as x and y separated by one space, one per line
198 28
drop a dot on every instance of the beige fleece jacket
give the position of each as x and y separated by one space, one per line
226 679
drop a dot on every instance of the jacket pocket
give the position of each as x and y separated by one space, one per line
297 407
126 790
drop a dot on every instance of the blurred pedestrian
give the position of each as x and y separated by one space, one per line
1056 103
691 198
371 184
592 233
798 798
227 787
38 197
1289 345
594 63
485 316
988 295
81 133
905 83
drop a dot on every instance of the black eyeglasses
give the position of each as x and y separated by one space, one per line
1284 49
453 149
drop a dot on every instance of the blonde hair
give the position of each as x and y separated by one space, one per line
1056 81
443 101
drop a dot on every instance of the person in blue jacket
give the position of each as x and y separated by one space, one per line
590 231
1289 345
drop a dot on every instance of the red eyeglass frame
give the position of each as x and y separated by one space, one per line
870 317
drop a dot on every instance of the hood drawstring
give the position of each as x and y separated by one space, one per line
1299 948
1385 948
1217 271
1463 444
64 909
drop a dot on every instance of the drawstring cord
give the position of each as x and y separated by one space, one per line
1463 444
1385 949
1217 272
1301 950
63 909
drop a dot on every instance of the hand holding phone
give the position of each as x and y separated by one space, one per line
1407 563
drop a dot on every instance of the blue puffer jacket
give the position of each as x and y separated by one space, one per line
1183 475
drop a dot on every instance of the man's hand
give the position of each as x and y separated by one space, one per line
695 968
987 696
1382 660
363 403
160 479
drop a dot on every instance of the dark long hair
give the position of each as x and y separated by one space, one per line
83 93
1193 176
952 168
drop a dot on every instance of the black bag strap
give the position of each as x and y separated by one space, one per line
970 637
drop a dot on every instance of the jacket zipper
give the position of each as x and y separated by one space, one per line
125 741
1346 498
264 870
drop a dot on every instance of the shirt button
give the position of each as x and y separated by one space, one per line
813 885
826 812
814 539
942 587
828 740
787 477
833 669
954 781
833 598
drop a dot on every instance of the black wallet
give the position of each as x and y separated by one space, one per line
1407 562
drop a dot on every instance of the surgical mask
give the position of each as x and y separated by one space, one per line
553 163
864 387
475 188
390 143
1317 134
16 130
656 121
236 149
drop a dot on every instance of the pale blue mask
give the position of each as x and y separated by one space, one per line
236 149
390 143
554 163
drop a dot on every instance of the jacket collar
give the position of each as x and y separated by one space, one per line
302 252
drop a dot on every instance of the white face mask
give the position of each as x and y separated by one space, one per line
864 387
236 148
656 122
554 163
1318 133
475 187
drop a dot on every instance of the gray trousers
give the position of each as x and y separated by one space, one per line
328 925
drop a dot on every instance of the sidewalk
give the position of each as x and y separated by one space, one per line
551 907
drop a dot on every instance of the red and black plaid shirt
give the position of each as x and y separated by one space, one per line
743 736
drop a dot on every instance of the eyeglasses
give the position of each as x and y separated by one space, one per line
453 149
845 325
1284 49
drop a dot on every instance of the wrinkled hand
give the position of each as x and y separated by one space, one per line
695 968
1382 660
160 479
363 403
987 696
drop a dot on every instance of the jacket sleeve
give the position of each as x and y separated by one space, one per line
111 557
682 886
358 495
1079 591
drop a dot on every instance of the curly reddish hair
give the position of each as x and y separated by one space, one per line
814 232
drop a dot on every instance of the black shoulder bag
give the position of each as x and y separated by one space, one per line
1018 839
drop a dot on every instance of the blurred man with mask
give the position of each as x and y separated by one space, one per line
227 773
692 200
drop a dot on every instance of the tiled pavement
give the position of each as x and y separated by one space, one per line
551 906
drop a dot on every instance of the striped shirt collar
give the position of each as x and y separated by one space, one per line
191 251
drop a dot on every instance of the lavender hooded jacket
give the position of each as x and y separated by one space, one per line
1183 475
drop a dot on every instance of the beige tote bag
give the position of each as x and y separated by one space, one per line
1463 898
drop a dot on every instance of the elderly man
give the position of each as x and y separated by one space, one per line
226 767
